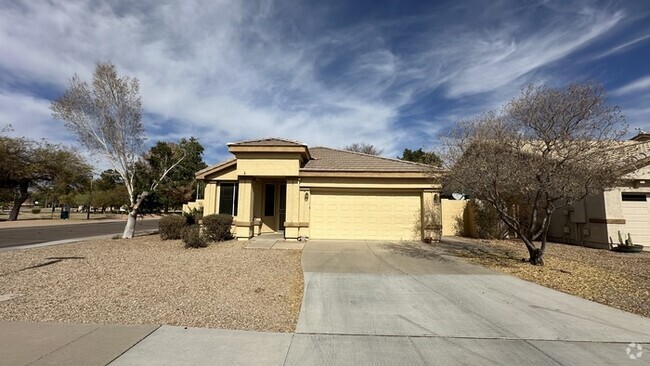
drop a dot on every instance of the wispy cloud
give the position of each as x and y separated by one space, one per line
639 85
226 71
622 47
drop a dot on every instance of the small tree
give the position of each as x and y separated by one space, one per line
422 157
106 117
179 185
362 147
546 149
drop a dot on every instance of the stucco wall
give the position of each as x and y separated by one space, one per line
268 164
593 221
452 211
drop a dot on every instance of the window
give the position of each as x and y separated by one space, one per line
200 190
269 200
228 198
634 197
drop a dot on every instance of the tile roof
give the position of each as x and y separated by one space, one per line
272 141
328 159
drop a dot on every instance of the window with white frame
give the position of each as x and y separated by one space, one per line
228 198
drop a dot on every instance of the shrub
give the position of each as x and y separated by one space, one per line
488 223
36 210
217 227
193 216
193 238
170 227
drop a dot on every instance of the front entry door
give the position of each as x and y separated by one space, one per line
282 206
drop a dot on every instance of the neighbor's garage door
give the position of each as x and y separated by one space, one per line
636 211
364 214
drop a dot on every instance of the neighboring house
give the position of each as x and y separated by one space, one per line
597 220
278 185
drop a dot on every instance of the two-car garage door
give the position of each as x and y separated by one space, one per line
364 214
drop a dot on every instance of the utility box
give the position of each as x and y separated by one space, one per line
65 213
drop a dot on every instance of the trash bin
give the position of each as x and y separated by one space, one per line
65 213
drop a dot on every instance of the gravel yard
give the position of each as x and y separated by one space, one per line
620 280
149 281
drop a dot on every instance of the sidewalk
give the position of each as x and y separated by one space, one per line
23 343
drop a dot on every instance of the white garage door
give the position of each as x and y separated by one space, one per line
364 214
636 211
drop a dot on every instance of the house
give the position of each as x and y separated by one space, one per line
277 185
598 219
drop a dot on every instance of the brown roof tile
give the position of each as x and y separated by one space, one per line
328 159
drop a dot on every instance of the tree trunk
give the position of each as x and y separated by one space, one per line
24 195
129 229
536 257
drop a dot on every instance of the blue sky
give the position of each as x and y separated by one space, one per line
395 74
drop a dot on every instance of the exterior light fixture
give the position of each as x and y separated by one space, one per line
306 196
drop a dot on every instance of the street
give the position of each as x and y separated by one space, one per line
12 237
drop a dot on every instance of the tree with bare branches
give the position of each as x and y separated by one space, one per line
544 150
106 117
364 148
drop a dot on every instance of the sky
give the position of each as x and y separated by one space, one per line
396 74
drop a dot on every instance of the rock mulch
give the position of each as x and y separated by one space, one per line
148 281
620 280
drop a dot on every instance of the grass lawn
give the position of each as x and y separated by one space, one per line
148 281
620 280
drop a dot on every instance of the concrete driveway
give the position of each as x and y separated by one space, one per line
401 303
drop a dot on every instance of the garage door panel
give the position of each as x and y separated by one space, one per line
377 215
637 220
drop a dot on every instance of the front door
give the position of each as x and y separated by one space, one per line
282 206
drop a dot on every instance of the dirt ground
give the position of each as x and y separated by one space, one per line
620 280
148 281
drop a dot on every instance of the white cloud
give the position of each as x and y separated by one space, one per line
231 70
639 85
485 62
622 47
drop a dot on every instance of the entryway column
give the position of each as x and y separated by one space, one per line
292 224
244 221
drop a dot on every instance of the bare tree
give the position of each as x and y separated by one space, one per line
544 150
106 117
362 147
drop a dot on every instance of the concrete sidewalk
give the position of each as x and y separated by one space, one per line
23 343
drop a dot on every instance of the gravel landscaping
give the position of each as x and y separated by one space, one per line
620 280
148 281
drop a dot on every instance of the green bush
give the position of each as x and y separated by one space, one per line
193 216
36 210
170 227
193 238
217 227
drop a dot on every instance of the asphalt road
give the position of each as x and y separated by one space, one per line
12 237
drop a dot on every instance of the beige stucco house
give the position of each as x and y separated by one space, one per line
626 208
277 185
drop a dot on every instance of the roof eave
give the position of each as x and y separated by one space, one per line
204 173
